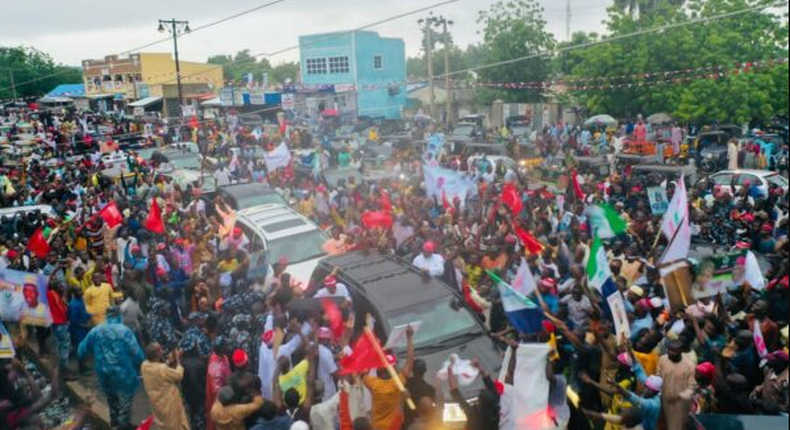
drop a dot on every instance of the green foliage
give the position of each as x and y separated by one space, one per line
35 73
235 68
514 29
282 72
757 95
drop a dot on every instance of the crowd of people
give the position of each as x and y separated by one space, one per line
168 307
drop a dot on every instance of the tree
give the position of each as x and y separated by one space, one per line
283 72
703 95
237 68
35 73
514 29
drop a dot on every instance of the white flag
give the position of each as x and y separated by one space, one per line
524 282
280 157
675 225
752 273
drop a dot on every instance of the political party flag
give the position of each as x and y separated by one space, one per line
759 340
675 225
598 265
577 188
154 220
334 317
363 358
385 202
277 158
524 283
439 181
511 198
530 243
111 215
752 272
521 312
605 220
37 244
376 219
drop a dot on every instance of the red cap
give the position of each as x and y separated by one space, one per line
500 387
12 253
240 358
179 241
429 247
391 359
236 232
330 281
160 271
267 336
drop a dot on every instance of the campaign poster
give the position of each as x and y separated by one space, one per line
658 200
23 298
621 325
6 343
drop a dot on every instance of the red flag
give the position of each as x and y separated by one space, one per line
385 202
376 219
532 245
363 357
111 215
154 221
445 203
577 188
511 199
334 316
37 244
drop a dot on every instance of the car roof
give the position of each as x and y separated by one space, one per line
761 173
247 190
390 283
45 209
276 221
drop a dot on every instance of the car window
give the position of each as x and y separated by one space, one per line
439 319
256 243
723 180
777 180
742 179
259 200
299 247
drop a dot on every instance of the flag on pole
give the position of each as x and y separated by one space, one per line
522 313
37 244
334 317
154 220
511 199
530 243
675 225
752 272
524 283
597 265
277 158
111 215
577 188
605 220
444 182
363 357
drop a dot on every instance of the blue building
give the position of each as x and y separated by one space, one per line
355 73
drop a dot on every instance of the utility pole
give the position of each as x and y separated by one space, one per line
176 28
429 60
13 83
447 81
568 21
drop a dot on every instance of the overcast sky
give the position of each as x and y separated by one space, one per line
74 30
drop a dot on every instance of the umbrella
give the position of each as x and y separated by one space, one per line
605 120
659 118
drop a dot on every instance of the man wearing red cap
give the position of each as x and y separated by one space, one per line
429 262
333 288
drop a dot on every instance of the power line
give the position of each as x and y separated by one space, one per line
658 29
333 36
156 42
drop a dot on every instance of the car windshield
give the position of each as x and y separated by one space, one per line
184 161
440 321
260 200
299 247
464 130
777 179
520 131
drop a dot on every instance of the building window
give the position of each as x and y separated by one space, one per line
378 62
316 66
338 64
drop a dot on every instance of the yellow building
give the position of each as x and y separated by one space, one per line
148 75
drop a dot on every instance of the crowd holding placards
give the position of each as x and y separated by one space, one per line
147 285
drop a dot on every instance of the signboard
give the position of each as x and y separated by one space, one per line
23 298
678 281
289 101
658 200
143 90
257 97
188 111
622 327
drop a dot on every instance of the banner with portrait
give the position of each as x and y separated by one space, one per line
23 298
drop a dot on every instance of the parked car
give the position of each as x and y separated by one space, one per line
243 196
46 210
395 294
732 181
283 232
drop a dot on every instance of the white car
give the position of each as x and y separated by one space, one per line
283 232
732 181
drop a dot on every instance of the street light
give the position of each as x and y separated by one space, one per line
176 28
